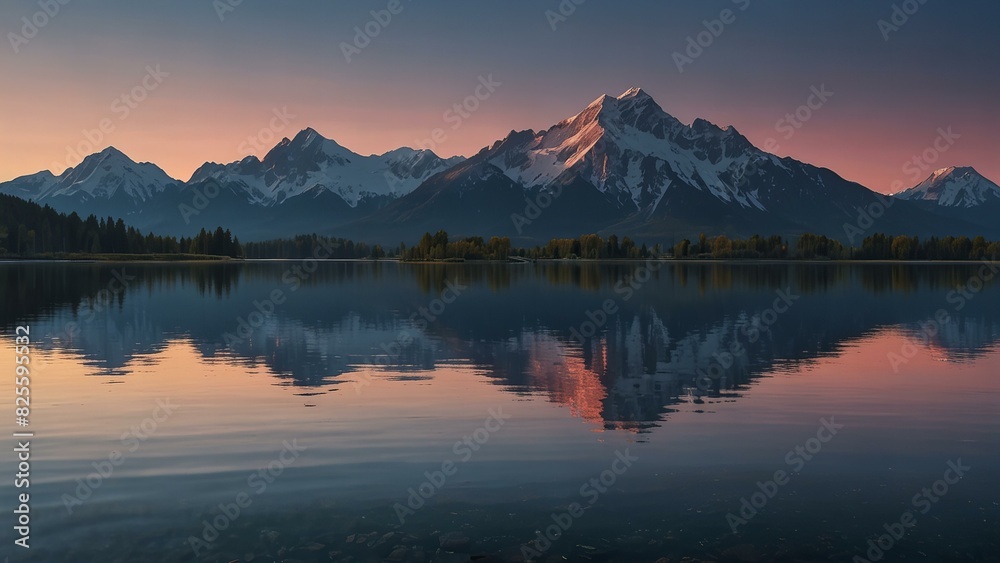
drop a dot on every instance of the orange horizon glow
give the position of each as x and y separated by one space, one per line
224 74
180 134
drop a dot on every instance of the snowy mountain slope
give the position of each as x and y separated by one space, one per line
959 193
624 165
630 148
305 184
310 161
620 165
954 187
104 175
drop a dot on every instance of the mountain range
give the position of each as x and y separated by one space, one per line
621 165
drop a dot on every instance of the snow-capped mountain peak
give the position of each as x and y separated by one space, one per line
637 102
310 162
633 93
111 151
103 174
627 167
107 174
955 186
631 149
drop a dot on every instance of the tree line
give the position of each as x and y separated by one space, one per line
439 247
310 246
888 247
591 247
28 229
819 247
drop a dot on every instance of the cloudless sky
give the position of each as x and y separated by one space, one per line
226 78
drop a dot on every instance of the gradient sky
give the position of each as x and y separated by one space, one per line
226 77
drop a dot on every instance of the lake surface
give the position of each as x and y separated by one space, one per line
340 411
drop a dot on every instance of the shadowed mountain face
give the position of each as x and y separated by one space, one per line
686 333
620 165
624 165
303 185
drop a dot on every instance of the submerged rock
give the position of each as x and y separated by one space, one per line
311 546
269 536
398 555
455 541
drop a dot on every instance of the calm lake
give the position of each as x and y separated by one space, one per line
344 411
